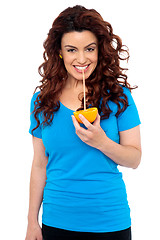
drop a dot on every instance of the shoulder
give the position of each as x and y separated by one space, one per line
126 91
33 100
128 94
34 97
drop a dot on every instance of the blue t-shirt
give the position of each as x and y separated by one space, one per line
84 189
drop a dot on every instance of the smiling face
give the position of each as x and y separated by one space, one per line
79 51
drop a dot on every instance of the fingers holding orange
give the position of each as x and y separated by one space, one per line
90 114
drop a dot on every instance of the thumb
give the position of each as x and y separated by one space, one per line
39 236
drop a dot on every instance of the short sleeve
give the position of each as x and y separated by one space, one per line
33 123
130 117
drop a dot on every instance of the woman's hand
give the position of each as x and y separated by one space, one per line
127 153
34 232
94 136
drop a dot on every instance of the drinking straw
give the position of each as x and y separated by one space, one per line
84 89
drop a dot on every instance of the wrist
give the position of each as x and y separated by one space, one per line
104 144
32 219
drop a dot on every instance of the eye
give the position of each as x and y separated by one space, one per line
90 49
71 50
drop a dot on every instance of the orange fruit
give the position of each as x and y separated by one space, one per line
90 114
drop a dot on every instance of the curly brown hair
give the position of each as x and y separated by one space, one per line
104 84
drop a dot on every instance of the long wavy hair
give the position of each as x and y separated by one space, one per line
104 84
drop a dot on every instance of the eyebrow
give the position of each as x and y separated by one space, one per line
85 47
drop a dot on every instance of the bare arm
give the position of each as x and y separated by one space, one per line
128 152
37 184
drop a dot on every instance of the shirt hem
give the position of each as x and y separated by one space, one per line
114 229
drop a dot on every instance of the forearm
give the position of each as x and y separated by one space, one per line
37 184
127 156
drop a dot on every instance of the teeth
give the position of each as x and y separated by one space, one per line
80 68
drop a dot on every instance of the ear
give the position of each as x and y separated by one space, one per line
60 55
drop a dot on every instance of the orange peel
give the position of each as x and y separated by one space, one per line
90 114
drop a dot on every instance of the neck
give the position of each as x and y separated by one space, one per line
74 84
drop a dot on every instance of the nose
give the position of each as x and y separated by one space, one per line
81 58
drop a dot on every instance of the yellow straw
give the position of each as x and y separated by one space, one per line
84 90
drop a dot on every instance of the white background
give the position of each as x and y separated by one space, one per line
24 27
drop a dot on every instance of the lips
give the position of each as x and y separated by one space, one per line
79 68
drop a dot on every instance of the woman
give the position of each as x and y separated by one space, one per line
74 169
